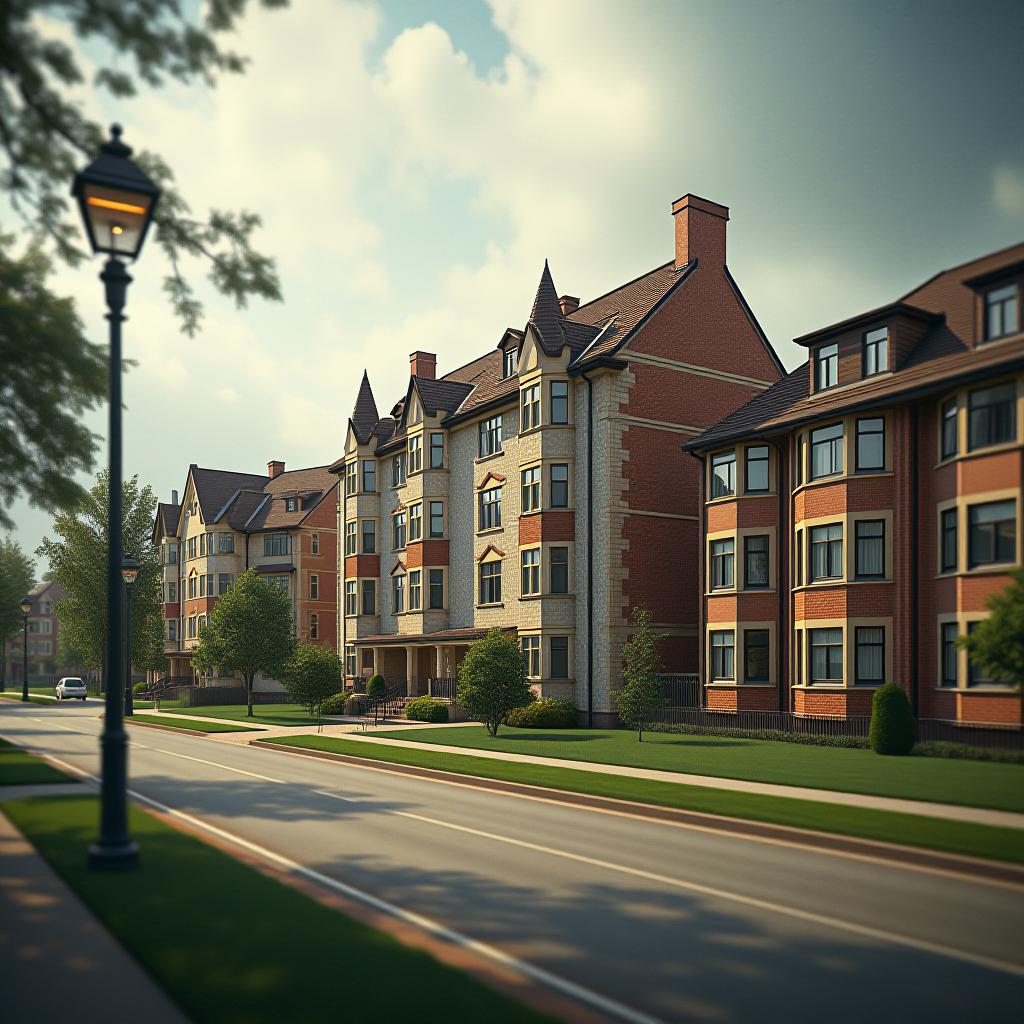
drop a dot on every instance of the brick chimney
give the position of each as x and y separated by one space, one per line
174 497
274 468
569 304
700 230
423 364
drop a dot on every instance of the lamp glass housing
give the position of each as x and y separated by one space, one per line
25 605
129 572
116 218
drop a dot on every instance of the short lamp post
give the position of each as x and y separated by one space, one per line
26 606
117 201
129 573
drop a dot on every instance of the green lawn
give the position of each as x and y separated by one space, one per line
853 770
263 714
33 698
20 769
233 946
196 725
909 829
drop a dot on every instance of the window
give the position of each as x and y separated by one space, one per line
436 450
224 582
415 453
869 549
722 556
531 656
755 561
490 508
826 650
350 538
275 544
530 406
314 627
436 583
723 474
559 652
191 587
398 593
827 552
369 597
490 436
799 656
950 662
991 416
226 543
172 554
490 583
975 673
172 629
801 458
350 660
826 361
314 543
559 401
369 475
559 563
509 359
281 582
351 477
993 533
398 470
172 592
876 352
827 451
559 485
415 590
723 654
755 656
398 530
531 571
201 624
870 654
1001 316
205 588
531 489
191 547
871 444
191 627
314 587
415 522
351 601
950 440
369 537
202 544
437 519
757 469
292 504
949 545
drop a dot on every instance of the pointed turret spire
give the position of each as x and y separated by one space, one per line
364 415
546 314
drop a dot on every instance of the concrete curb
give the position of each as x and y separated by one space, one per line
172 728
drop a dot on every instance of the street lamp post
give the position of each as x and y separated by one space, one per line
117 201
26 606
129 573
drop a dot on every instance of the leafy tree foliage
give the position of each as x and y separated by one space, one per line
997 643
640 694
492 680
45 135
15 582
77 558
248 631
311 675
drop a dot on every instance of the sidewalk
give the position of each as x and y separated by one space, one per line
57 962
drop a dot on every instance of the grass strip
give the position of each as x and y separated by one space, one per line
263 714
190 725
233 946
967 838
32 698
18 768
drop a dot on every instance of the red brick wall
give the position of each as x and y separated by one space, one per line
549 526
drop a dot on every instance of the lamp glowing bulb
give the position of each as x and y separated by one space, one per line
117 230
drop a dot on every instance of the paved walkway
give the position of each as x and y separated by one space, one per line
57 962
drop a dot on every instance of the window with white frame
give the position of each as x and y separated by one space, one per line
876 351
827 552
1002 312
351 477
314 627
350 660
415 453
314 543
509 359
531 656
415 589
826 651
350 538
351 598
415 522
827 451
531 571
314 587
490 583
490 508
723 555
490 436
530 407
398 593
398 470
723 655
291 504
723 474
398 521
826 364
531 489
191 627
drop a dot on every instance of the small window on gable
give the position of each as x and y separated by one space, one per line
826 362
508 362
876 352
1002 312
291 504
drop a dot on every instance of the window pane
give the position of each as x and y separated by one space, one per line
950 667
870 555
757 468
559 657
755 656
755 558
991 416
870 654
559 402
950 442
723 474
871 444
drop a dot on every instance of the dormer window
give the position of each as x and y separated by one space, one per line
876 351
826 361
1002 312
291 504
508 362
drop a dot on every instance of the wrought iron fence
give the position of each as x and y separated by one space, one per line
681 689
442 688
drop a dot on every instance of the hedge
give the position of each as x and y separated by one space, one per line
893 730
427 709
544 714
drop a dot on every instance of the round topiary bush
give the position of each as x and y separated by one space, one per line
427 709
893 730
376 686
544 714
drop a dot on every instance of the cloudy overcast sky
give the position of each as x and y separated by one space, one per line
416 162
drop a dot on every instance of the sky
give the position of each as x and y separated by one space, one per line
415 163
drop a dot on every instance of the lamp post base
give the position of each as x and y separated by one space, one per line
115 856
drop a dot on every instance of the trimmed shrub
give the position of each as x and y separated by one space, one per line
335 704
142 687
376 685
893 730
544 714
427 709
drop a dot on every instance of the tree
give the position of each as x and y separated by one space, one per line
640 694
77 560
492 680
311 675
997 643
892 729
15 582
248 631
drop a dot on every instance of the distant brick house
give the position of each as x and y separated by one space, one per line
43 656
540 488
857 514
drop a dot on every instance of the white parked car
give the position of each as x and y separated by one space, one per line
70 687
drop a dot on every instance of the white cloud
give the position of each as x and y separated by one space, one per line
1008 190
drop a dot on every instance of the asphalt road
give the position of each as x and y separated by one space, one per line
673 922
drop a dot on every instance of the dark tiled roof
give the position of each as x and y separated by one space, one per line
441 636
168 513
364 415
215 486
546 314
309 485
438 395
242 508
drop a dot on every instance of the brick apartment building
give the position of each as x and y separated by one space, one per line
283 524
857 514
540 487
43 657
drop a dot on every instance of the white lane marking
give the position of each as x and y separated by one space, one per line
559 984
707 890
216 764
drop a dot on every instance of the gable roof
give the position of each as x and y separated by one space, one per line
214 487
